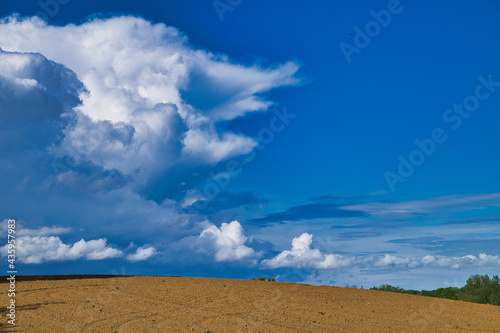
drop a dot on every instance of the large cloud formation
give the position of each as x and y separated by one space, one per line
118 112
152 100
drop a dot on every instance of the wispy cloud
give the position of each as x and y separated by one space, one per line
44 231
224 200
428 206
310 211
359 234
342 206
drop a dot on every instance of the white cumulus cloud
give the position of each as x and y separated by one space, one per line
38 249
302 255
142 253
228 242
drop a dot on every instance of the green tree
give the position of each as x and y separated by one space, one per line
448 293
481 289
388 287
478 289
495 293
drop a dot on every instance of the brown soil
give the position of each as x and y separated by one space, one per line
179 304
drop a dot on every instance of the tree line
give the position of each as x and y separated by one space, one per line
478 289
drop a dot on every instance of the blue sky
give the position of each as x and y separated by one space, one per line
328 143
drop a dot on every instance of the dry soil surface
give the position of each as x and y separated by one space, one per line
181 304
